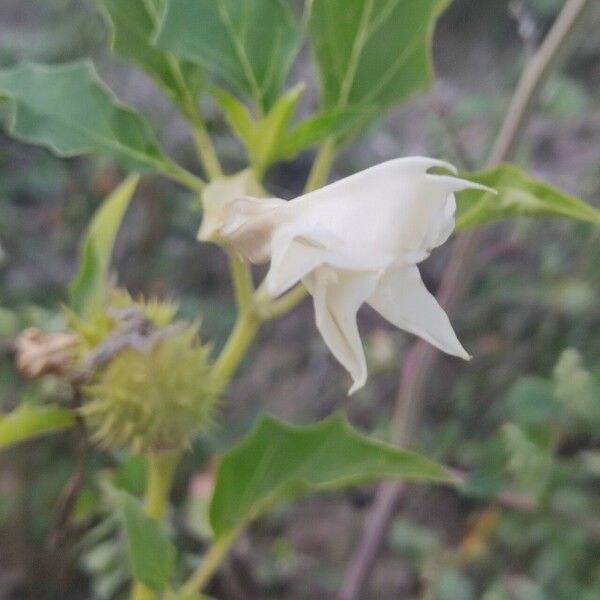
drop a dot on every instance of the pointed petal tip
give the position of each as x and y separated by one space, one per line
355 387
357 384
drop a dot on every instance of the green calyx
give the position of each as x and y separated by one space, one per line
149 380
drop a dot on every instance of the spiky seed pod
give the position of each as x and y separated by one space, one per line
152 399
151 387
99 321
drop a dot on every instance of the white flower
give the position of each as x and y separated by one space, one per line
354 241
218 195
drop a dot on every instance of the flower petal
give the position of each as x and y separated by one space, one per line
295 251
218 195
402 298
337 296
249 225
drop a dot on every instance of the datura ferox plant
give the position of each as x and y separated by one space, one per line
143 382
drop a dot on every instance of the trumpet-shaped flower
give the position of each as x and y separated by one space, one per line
354 241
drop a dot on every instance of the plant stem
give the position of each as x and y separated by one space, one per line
243 288
161 468
210 563
321 167
282 305
206 150
236 346
421 360
182 176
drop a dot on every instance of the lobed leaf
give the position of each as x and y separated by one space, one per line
27 422
90 283
372 53
151 553
278 462
68 110
518 195
247 45
133 24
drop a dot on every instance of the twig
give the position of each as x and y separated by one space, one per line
421 360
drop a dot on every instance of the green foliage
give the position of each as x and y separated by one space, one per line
248 46
269 138
67 109
530 458
518 195
279 462
575 387
372 54
262 138
90 284
132 24
151 553
27 422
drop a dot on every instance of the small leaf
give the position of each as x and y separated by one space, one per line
264 150
132 24
263 137
247 45
70 111
90 284
279 462
315 129
28 422
518 196
237 115
151 553
372 53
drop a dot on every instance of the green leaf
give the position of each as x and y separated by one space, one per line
133 24
278 462
67 109
315 129
269 139
90 283
27 422
247 45
518 195
237 115
263 137
151 553
372 53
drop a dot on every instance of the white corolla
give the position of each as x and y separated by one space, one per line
354 241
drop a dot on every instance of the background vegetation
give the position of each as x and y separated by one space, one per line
521 420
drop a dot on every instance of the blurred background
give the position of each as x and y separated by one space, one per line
523 416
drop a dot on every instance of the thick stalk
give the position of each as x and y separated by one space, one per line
421 360
161 468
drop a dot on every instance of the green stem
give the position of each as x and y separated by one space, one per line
321 167
281 306
236 346
161 468
187 105
182 176
210 563
243 287
206 151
